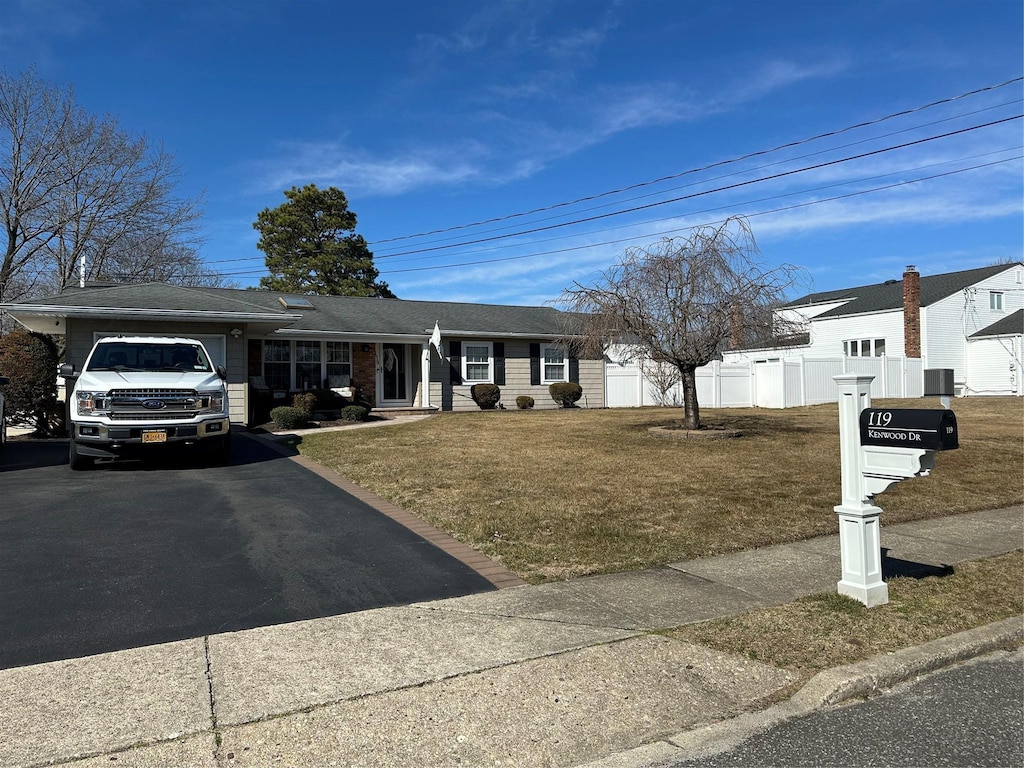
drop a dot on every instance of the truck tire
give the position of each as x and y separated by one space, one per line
76 461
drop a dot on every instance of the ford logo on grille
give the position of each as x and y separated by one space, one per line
153 405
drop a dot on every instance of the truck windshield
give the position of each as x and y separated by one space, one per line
129 356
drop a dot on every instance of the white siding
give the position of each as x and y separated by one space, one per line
946 324
994 366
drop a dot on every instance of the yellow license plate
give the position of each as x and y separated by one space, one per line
154 437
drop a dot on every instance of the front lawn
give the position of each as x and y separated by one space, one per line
559 494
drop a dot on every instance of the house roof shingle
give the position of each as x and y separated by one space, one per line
880 297
346 314
1010 325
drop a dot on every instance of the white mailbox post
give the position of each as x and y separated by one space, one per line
878 447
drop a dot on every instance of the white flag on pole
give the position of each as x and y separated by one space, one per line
435 341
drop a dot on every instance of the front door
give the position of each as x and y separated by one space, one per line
394 374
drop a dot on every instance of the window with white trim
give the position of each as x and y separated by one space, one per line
304 364
554 363
277 363
339 363
995 301
864 348
477 361
308 372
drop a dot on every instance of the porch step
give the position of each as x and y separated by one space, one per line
388 413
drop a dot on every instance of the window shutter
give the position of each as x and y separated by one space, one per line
535 364
455 358
574 370
499 363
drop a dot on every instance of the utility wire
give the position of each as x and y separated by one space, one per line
683 229
781 209
727 187
717 164
753 169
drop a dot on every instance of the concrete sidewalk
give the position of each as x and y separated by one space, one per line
560 674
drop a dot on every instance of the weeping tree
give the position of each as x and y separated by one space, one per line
681 301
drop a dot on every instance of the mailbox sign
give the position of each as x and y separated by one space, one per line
930 429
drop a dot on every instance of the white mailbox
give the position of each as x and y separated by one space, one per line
878 447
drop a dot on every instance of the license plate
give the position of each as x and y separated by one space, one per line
154 436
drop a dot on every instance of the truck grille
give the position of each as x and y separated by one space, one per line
127 404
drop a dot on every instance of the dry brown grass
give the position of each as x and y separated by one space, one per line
558 494
828 630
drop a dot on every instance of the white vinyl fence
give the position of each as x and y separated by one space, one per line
776 384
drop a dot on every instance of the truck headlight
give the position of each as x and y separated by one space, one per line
93 403
211 402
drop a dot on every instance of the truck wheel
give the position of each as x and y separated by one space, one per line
76 460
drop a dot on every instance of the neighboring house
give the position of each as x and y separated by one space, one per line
378 349
970 321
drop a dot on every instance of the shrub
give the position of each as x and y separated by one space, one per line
287 417
524 402
29 360
354 413
565 393
305 402
485 395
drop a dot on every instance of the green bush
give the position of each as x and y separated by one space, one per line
485 395
524 402
305 402
354 413
565 393
287 417
29 360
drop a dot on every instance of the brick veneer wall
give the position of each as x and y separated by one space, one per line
364 371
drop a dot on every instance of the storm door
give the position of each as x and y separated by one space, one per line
394 374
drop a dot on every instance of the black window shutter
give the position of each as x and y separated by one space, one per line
455 358
535 364
574 370
499 363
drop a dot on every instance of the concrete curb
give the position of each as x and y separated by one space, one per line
826 689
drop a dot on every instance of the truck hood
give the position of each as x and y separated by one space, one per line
104 381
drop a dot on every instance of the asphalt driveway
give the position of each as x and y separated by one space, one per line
134 554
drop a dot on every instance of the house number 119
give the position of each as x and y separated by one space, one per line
879 419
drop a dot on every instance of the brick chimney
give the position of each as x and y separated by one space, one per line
911 312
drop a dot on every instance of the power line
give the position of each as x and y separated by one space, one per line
717 164
682 229
727 187
753 169
795 206
805 191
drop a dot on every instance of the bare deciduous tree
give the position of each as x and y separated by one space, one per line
73 185
681 300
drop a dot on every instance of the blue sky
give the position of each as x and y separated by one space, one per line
436 115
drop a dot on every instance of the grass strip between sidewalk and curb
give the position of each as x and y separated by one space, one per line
827 630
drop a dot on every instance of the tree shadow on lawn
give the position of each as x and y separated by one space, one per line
751 425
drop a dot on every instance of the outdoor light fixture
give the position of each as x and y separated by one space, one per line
236 333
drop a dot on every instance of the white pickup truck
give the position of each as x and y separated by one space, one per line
140 395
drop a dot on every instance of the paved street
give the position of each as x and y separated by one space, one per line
968 715
134 554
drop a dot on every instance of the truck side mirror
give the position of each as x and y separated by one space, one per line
68 371
222 372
